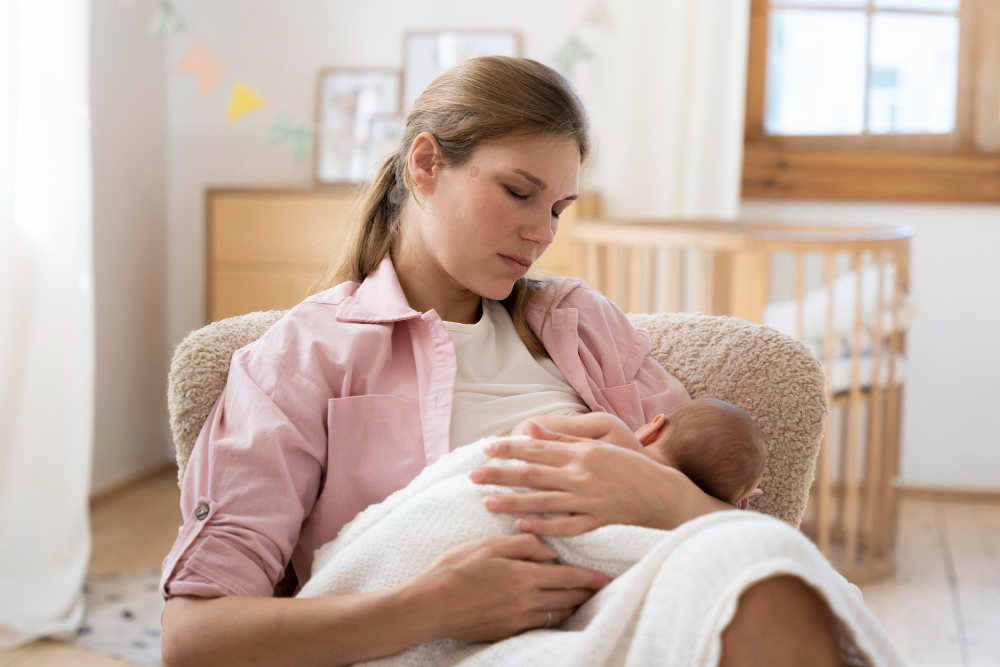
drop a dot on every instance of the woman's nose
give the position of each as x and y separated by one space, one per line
542 234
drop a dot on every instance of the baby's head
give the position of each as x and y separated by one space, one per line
714 443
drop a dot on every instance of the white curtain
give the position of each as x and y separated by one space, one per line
46 317
665 87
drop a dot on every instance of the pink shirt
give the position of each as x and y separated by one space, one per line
343 401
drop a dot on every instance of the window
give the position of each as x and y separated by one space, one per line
874 99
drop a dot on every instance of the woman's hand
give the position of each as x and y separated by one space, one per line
595 482
492 588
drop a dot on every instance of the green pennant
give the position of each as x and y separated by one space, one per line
570 54
298 134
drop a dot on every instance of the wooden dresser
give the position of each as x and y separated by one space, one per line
266 245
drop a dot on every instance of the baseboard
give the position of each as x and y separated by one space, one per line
130 483
968 494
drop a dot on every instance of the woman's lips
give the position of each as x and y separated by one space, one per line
514 264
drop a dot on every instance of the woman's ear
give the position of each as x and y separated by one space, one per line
423 159
648 433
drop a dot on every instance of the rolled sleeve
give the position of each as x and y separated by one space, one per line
253 476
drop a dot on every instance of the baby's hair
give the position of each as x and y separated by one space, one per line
736 443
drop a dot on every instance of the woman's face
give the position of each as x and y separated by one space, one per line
505 201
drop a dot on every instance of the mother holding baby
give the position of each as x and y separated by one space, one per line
427 336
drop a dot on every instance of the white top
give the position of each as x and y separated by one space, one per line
499 382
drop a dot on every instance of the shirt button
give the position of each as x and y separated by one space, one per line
201 511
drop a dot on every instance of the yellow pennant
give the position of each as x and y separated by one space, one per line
244 100
204 66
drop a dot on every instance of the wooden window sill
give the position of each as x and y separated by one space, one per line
772 172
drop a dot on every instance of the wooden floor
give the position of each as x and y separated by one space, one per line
941 607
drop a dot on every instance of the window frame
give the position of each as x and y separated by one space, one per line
961 166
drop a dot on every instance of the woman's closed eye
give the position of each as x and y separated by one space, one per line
523 197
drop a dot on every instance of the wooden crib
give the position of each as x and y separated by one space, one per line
782 275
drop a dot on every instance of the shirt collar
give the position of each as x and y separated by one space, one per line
379 298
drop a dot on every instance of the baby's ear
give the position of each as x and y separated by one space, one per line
647 434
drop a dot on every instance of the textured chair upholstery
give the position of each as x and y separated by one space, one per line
773 377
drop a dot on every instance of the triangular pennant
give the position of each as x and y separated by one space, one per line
200 62
298 134
166 20
599 16
570 53
243 100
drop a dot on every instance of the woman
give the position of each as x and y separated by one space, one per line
490 159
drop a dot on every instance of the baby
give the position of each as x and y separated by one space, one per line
714 443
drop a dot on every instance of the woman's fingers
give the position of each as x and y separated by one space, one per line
555 449
546 502
524 546
564 526
559 577
542 477
562 599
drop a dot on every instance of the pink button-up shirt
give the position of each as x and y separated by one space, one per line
343 401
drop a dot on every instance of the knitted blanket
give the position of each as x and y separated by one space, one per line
672 594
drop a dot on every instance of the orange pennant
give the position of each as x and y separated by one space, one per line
200 62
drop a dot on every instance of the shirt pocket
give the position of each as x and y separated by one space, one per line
376 446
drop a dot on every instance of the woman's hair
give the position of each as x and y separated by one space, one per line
484 99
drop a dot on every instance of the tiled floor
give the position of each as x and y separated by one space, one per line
941 607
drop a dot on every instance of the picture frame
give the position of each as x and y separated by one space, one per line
347 101
428 53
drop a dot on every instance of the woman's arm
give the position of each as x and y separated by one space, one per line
483 590
290 632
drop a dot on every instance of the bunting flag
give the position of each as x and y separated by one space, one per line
200 62
571 52
599 16
298 134
244 100
166 20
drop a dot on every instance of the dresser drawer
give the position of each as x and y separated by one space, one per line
235 292
286 229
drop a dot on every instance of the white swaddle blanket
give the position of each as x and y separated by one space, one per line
672 594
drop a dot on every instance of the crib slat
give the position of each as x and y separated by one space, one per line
854 408
611 282
675 277
892 410
635 279
592 264
662 279
652 282
800 315
705 272
825 495
876 445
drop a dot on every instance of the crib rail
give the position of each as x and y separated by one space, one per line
797 278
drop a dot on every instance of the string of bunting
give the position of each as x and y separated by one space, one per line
198 61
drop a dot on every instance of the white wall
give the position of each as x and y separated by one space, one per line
128 93
953 385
